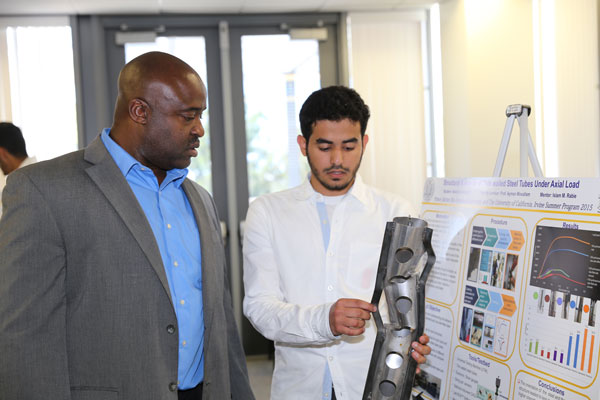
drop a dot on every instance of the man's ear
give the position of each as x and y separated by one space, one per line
302 144
6 161
365 140
138 111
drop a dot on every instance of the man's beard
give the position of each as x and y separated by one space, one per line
335 186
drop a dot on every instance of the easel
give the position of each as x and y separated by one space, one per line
520 112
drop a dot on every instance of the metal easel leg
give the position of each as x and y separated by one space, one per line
504 146
527 150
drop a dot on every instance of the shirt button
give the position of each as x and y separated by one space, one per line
182 302
184 343
172 386
330 254
330 288
176 263
169 226
170 329
330 358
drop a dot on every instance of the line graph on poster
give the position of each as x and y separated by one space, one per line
566 260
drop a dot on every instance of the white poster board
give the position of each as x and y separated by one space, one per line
512 298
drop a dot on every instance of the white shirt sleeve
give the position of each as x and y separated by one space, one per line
264 302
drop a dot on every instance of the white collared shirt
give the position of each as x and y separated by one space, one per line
291 281
28 161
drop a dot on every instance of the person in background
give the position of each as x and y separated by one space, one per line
114 280
13 152
311 255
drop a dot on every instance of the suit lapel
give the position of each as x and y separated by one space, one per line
109 179
209 257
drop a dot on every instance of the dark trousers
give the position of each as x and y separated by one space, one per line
333 394
190 394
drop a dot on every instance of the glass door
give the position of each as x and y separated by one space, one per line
278 74
273 72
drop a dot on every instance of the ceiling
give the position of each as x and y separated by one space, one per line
70 7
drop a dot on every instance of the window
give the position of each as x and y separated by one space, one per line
38 84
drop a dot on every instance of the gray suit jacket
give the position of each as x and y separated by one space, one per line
85 307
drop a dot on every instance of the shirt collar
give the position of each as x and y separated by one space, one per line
28 161
358 191
126 162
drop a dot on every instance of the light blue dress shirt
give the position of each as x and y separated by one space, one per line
174 226
326 233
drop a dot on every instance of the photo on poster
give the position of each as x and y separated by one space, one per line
502 334
485 266
473 267
489 329
428 384
465 324
566 306
497 269
477 329
487 344
559 301
592 316
540 297
484 393
552 304
510 275
579 309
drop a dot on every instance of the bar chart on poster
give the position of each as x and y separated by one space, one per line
518 318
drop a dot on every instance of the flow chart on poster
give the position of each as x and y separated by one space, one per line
512 299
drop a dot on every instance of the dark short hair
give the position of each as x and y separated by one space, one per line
333 103
12 140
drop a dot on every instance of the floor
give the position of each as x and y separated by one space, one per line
260 370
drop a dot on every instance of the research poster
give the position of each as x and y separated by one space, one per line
512 299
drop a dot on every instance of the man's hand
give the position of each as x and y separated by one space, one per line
348 316
420 350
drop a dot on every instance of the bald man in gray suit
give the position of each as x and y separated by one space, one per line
113 283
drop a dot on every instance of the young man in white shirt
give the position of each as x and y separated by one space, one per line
311 255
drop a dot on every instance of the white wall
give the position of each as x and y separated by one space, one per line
386 69
487 64
578 100
490 58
